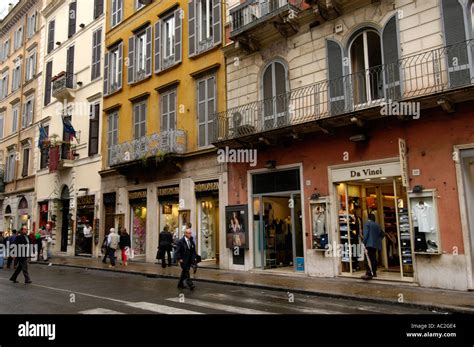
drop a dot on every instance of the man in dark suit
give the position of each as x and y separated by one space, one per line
22 255
165 243
373 236
186 256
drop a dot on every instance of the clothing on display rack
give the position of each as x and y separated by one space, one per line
423 217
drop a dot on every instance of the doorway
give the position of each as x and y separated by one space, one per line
278 230
467 164
386 199
65 218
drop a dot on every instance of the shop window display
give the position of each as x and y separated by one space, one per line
319 218
424 220
208 223
138 229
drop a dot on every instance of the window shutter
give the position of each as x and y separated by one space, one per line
131 59
336 83
33 69
1 126
143 119
148 58
98 8
94 57
24 115
120 65
202 112
94 130
47 87
72 18
192 27
172 111
106 73
51 36
98 52
119 10
390 44
158 46
216 22
136 121
26 159
178 36
454 34
29 120
70 67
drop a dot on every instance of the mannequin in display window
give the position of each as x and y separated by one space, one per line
319 221
207 234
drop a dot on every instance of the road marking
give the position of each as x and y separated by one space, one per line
100 310
148 306
289 306
220 307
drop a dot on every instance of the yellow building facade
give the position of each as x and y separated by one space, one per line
164 80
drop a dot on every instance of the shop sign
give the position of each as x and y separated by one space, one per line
402 147
139 194
164 191
206 187
364 172
85 200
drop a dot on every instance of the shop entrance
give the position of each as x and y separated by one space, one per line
386 199
468 180
65 218
277 222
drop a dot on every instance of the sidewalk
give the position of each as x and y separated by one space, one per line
373 291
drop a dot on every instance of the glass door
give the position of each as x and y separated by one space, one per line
297 228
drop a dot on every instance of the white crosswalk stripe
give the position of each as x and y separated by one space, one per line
219 307
100 311
148 306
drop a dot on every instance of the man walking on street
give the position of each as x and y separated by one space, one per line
165 243
113 241
186 256
373 236
10 241
22 255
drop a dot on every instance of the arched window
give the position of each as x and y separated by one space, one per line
274 93
23 204
366 71
65 193
8 210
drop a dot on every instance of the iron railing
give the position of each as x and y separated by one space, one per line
63 81
438 70
155 145
253 12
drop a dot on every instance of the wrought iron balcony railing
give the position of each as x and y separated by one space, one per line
155 145
254 12
435 71
64 85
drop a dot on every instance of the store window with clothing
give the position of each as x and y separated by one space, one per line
84 224
138 217
207 195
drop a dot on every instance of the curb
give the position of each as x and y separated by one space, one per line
427 307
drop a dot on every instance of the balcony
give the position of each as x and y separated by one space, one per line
156 146
426 78
64 86
255 20
61 156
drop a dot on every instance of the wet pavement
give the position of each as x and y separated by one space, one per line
375 291
66 290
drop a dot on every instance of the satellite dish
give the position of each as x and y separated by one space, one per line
237 118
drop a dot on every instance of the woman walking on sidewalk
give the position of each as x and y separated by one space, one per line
125 245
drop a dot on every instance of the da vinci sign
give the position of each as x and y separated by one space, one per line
366 171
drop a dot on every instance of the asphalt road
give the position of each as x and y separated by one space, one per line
63 290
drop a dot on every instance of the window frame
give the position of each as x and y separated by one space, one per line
2 122
44 152
96 53
141 122
25 164
167 113
16 75
26 120
10 165
15 109
31 66
94 118
207 121
112 132
117 16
